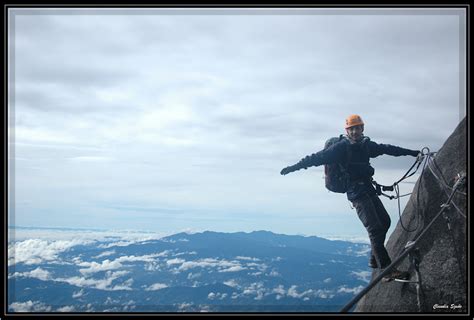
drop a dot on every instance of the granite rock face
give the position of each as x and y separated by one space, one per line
441 251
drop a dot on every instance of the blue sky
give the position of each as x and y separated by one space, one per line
181 119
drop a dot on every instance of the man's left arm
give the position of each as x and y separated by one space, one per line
376 150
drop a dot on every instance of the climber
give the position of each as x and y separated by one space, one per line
354 151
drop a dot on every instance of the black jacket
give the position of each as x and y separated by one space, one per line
359 168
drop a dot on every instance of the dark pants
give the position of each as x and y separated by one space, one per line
376 220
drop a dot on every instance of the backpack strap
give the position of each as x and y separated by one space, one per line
365 144
345 164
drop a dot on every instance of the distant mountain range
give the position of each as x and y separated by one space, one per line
202 272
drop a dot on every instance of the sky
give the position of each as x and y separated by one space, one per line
170 120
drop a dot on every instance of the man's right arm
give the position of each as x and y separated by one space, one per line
304 163
329 155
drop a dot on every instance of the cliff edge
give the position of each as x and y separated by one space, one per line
440 255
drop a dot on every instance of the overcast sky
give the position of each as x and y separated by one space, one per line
171 120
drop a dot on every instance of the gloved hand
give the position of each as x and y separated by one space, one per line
420 157
287 170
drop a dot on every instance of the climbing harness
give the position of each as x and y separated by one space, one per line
410 246
379 188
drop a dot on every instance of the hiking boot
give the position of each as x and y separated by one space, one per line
396 274
373 263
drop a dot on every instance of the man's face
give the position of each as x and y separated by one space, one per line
355 133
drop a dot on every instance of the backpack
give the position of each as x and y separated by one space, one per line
336 176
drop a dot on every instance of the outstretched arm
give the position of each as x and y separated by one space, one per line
330 155
304 163
379 149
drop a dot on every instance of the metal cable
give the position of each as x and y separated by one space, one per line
444 184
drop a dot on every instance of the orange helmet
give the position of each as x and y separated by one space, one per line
353 120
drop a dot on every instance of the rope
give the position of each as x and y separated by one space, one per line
430 160
396 188
445 187
444 183
408 248
459 210
419 215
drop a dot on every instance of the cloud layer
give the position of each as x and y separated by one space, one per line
108 272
